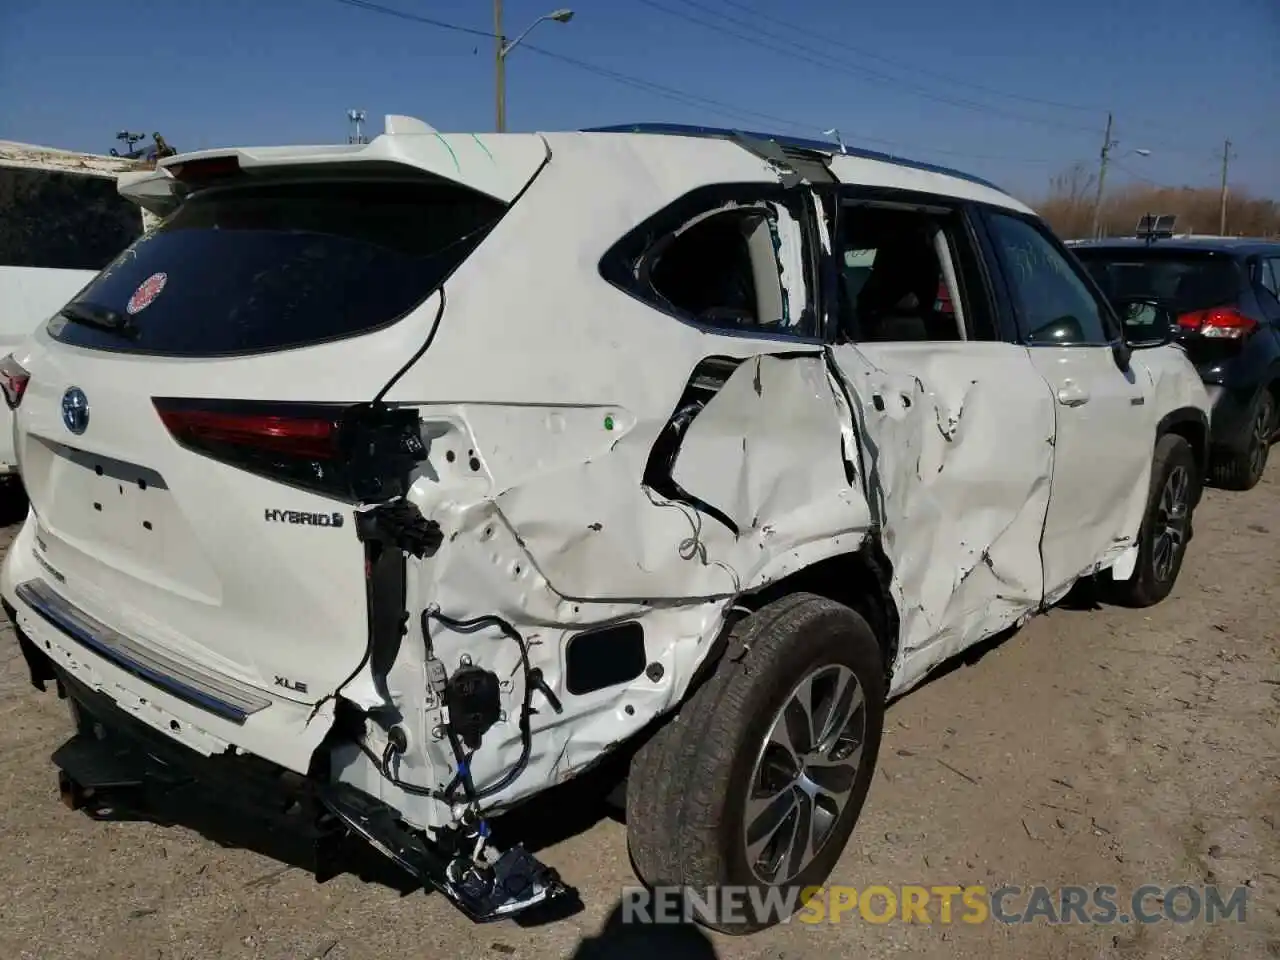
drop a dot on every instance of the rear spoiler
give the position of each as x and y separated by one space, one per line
152 190
500 166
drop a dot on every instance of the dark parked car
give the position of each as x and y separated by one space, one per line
1225 293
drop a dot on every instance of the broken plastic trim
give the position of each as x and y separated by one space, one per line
400 525
795 165
512 884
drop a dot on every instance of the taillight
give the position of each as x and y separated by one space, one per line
296 443
13 380
353 452
295 436
1224 323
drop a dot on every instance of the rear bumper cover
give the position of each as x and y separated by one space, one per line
114 757
229 701
180 702
141 727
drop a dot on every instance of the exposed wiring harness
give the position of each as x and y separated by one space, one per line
462 777
532 679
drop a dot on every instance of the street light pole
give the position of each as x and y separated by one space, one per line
502 48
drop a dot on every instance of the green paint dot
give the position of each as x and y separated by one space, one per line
608 422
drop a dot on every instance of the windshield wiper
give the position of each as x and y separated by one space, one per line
101 318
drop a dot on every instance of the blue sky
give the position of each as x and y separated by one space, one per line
1014 90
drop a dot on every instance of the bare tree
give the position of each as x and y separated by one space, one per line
1068 206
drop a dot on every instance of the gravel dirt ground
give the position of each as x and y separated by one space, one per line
1096 746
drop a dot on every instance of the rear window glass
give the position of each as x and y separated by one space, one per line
268 267
1186 281
63 221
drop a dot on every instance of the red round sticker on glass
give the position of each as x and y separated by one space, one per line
147 291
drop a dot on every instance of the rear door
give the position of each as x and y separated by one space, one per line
181 434
1105 414
958 427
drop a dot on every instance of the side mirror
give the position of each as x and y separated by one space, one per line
1147 323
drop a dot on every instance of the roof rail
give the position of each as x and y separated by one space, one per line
788 142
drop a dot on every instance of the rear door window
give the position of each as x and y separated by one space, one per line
63 221
253 269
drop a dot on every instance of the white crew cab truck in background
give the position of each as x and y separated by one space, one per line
419 476
62 220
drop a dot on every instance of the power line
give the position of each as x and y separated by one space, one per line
697 100
896 82
910 67
1135 175
429 21
674 94
807 54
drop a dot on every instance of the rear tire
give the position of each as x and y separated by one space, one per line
1241 470
744 740
1166 524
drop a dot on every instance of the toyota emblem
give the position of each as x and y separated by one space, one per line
75 410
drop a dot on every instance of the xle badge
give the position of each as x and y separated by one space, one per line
302 518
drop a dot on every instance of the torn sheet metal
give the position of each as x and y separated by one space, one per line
766 450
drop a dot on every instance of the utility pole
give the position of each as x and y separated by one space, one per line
1107 144
1222 213
499 67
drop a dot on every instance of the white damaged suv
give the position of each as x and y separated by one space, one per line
406 480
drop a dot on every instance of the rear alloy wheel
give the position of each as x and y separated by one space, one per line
1166 525
805 774
1241 470
755 786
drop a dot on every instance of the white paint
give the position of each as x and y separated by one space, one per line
959 464
495 164
1099 479
152 190
955 455
397 124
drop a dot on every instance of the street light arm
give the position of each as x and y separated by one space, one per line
512 44
560 16
563 15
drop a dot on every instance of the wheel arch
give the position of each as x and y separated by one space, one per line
858 578
1192 424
